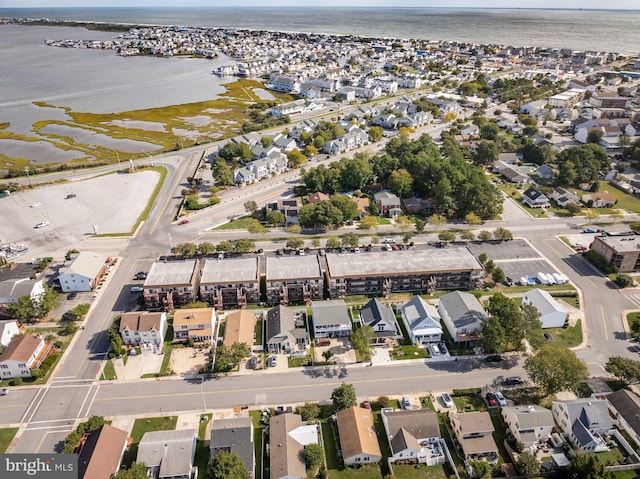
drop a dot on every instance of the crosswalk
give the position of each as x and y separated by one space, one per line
634 298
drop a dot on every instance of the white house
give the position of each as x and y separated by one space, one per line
143 328
8 329
528 424
551 313
23 354
462 314
12 289
381 318
414 436
585 421
84 272
330 319
534 198
421 320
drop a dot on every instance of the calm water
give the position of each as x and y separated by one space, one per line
101 82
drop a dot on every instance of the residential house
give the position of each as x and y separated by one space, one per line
83 273
243 176
171 283
463 316
346 94
532 108
533 198
358 439
11 290
8 330
470 130
415 120
585 421
284 83
234 435
240 328
387 121
474 433
387 202
143 328
625 407
381 318
287 440
101 452
293 279
422 321
563 197
330 319
364 207
599 200
528 424
198 324
421 271
169 454
414 436
513 175
544 172
230 282
414 205
510 159
23 354
289 207
285 330
621 251
552 315
317 197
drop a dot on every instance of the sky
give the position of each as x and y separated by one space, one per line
567 4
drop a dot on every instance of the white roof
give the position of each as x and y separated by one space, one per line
86 264
543 301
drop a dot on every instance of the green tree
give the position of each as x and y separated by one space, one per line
23 310
296 158
137 470
276 218
313 456
332 243
355 172
498 275
573 209
375 133
266 141
486 154
623 280
244 246
591 215
221 172
625 370
594 136
362 340
369 222
255 227
403 222
481 468
293 229
489 131
587 466
528 464
437 221
472 219
79 311
344 396
502 234
226 465
484 235
507 312
420 225
310 411
447 236
251 207
346 205
350 240
532 326
324 213
225 246
494 338
295 243
616 214
635 226
206 248
401 183
555 368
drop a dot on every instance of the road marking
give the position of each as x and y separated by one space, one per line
68 427
11 406
92 400
634 299
49 420
604 323
179 177
35 404
85 400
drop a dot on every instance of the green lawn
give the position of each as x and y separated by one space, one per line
258 427
633 319
408 471
574 302
469 403
237 224
369 471
6 436
109 372
140 427
624 201
409 352
568 337
258 339
499 434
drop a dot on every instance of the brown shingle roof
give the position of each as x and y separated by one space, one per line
357 436
101 453
285 452
21 348
240 328
140 321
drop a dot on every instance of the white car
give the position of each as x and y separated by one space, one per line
42 224
34 205
406 404
500 398
137 289
3 391
446 400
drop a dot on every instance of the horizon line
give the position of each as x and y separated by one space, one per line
190 7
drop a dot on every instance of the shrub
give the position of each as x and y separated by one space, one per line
37 373
623 280
467 392
599 262
15 382
384 401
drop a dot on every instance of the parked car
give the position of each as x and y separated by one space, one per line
508 281
72 295
356 250
406 404
491 400
42 224
493 358
366 405
3 391
137 289
273 361
253 362
548 336
389 240
387 247
590 230
446 400
434 350
34 205
395 247
183 222
513 380
141 275
443 348
500 398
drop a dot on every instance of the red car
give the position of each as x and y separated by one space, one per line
183 222
491 400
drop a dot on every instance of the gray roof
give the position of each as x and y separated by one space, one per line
286 452
231 270
280 320
173 451
375 311
86 264
293 268
170 273
627 404
530 416
420 314
401 263
14 288
543 301
327 313
463 308
406 428
233 435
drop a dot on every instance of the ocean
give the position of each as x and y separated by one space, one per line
101 82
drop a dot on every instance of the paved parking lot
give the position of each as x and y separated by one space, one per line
137 366
188 361
111 202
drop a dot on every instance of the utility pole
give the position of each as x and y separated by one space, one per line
26 168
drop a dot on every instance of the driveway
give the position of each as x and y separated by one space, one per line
341 348
137 366
188 361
